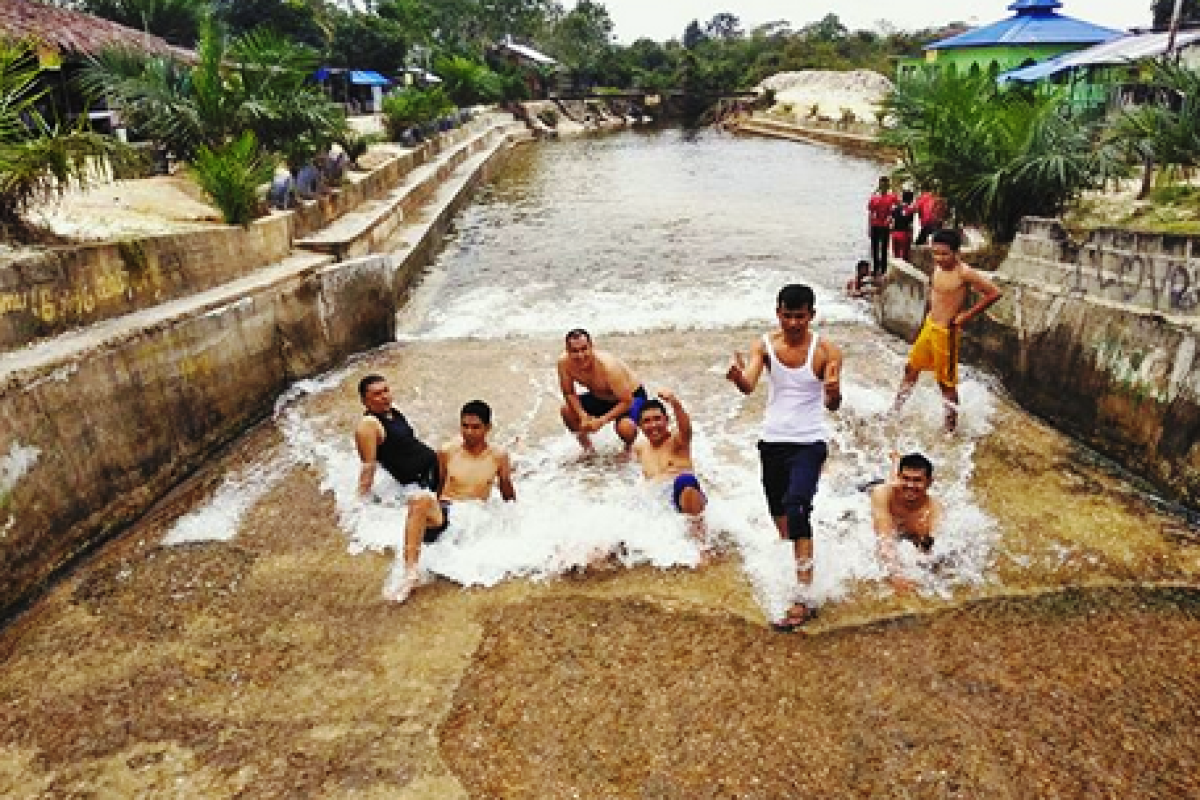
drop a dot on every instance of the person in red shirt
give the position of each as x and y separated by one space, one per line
902 226
932 211
879 222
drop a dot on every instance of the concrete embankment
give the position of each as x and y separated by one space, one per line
194 337
1099 336
858 143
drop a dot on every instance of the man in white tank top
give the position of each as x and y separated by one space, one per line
804 380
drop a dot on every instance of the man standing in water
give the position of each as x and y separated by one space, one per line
666 455
902 510
470 468
613 394
384 437
936 347
804 380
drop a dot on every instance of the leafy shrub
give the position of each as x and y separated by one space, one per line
414 108
231 174
468 82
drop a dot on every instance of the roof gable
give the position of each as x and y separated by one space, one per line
75 32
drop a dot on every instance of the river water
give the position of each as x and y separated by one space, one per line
250 603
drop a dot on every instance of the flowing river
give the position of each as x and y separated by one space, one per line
235 643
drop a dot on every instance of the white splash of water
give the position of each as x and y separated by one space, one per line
218 520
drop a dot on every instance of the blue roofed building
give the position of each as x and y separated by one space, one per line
1036 32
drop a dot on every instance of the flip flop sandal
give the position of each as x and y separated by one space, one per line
795 620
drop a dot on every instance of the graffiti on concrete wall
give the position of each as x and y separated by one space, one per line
1143 373
1164 283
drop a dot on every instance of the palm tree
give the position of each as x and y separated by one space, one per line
258 82
995 154
37 161
1167 130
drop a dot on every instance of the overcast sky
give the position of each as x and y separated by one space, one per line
665 19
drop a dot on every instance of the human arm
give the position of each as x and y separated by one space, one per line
567 385
683 423
885 533
622 384
367 436
988 293
832 375
504 477
744 373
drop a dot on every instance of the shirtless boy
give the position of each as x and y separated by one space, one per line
470 469
613 394
666 455
936 348
804 377
902 510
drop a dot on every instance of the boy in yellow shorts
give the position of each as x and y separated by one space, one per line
936 348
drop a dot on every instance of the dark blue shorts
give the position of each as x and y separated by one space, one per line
790 473
598 406
683 481
432 534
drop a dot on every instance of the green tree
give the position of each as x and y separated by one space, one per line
583 35
996 155
368 41
1165 132
39 162
693 35
828 29
724 26
257 82
1161 10
177 21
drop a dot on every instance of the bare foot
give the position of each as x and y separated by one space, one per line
400 584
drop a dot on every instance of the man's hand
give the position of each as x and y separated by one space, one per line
667 396
590 424
735 371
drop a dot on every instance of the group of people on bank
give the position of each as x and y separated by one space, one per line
803 373
891 219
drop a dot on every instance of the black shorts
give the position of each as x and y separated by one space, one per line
790 473
598 406
432 534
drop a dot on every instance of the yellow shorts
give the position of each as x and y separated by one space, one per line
936 349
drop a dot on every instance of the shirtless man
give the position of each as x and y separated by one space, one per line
901 509
470 469
936 347
804 376
666 455
383 437
613 394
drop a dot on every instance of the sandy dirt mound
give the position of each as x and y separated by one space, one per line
861 91
120 209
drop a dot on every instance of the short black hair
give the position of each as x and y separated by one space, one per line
862 264
948 237
366 382
575 333
652 403
477 408
796 296
916 461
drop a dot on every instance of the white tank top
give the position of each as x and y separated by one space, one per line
795 400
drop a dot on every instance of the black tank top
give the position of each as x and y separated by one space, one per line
403 455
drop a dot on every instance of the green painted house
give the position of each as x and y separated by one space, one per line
1036 32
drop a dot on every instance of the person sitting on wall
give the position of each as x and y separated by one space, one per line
863 283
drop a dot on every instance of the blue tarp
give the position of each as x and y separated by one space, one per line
359 77
366 77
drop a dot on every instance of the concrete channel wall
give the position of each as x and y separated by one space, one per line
99 423
1099 336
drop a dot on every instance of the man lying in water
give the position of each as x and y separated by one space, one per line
666 455
902 510
469 469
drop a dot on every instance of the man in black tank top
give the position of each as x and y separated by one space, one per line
383 436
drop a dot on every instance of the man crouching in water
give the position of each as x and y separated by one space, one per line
667 455
469 469
902 510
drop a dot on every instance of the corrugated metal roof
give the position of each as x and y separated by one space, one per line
527 52
1030 25
74 32
1124 50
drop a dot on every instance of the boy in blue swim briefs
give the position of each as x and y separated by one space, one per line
666 455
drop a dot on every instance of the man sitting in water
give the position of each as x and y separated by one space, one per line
470 468
666 455
902 510
384 437
863 283
613 394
